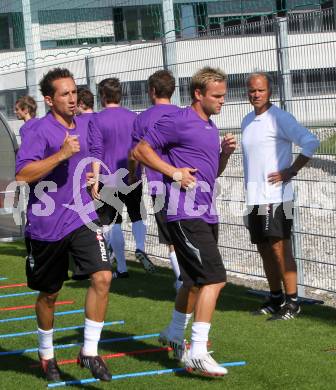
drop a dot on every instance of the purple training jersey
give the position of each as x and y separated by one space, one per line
27 126
110 138
85 117
190 142
56 202
143 122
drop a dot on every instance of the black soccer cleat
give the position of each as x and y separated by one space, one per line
269 307
50 369
97 366
288 311
144 260
120 275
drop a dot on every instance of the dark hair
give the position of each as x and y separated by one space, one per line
29 103
110 91
85 96
46 84
163 82
204 76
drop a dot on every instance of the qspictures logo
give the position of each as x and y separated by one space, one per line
101 243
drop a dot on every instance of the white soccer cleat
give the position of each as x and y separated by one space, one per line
179 347
205 365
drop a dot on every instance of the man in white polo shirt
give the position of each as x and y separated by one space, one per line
268 134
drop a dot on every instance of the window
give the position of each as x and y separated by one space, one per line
298 83
236 87
118 19
314 81
201 12
252 25
131 20
11 31
151 22
241 25
4 33
76 42
135 95
81 26
184 87
311 18
137 23
8 99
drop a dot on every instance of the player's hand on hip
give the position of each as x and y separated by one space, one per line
229 144
70 145
280 177
185 177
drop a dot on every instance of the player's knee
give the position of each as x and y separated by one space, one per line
101 279
218 286
194 289
47 298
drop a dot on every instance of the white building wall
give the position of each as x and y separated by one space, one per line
235 55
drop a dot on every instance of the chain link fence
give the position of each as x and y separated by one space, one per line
299 53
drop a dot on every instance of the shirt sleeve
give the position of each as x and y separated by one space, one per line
95 139
299 135
33 148
136 133
163 133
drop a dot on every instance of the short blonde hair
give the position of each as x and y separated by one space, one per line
203 77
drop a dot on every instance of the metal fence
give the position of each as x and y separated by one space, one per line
301 58
311 98
314 230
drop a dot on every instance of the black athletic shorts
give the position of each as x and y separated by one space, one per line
48 262
161 220
269 220
195 243
134 204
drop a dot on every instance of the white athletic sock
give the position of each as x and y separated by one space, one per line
174 264
199 339
178 325
139 233
45 341
92 331
118 244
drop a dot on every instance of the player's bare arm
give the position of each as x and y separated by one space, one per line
38 169
287 174
228 146
145 154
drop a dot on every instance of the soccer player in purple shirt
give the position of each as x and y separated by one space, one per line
195 159
85 101
47 161
161 86
110 141
25 109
